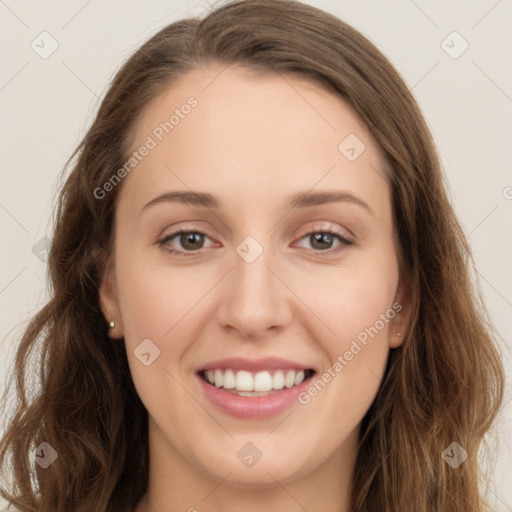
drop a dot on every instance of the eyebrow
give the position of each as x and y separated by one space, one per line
300 200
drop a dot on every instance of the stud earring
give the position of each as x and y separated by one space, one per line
398 334
112 324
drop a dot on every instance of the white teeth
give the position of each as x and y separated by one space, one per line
244 381
262 381
229 380
257 384
252 393
289 380
218 378
278 380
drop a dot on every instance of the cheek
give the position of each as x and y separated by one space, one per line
343 390
159 304
154 299
167 306
355 308
350 298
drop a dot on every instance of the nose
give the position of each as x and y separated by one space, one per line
256 302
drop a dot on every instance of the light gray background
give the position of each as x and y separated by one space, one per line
47 104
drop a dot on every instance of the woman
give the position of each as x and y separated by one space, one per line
261 294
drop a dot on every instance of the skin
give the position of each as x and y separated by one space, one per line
252 142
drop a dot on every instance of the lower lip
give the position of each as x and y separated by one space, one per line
256 407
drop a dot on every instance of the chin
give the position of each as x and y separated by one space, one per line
255 465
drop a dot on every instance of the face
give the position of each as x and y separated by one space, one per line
285 280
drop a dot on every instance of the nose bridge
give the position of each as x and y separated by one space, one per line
251 267
256 299
253 279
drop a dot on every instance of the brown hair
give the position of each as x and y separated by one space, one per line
443 384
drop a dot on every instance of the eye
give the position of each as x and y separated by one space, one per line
322 241
190 241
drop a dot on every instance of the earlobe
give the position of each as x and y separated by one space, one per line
396 338
400 323
109 306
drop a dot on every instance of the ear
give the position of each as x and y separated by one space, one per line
402 306
109 304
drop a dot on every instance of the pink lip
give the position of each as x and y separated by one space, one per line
256 365
258 407
246 407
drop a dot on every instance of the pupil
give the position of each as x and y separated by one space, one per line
191 240
322 238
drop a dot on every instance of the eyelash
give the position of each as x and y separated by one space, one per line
344 242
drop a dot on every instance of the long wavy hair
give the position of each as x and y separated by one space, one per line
72 383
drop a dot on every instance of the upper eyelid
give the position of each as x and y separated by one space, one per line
331 229
204 231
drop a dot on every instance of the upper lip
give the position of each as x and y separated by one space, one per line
254 365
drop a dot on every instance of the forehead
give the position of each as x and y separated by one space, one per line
249 132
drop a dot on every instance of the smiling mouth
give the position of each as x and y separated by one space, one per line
254 384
